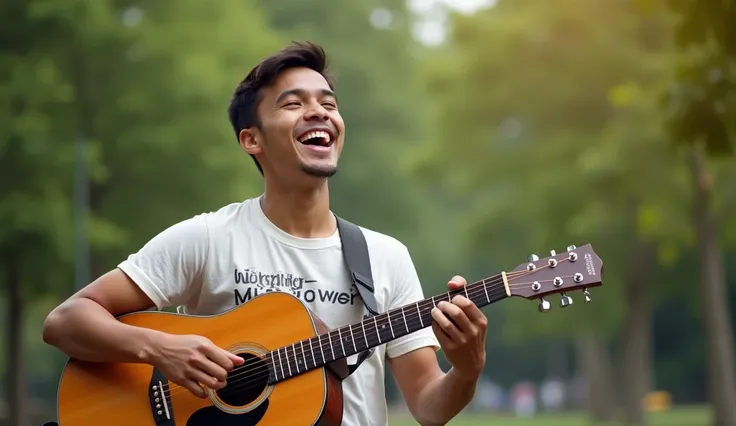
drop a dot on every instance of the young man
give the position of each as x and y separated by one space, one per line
285 116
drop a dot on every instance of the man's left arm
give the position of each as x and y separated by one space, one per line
433 396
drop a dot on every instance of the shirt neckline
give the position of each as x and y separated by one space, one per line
284 237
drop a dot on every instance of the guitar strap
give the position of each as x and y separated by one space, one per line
358 262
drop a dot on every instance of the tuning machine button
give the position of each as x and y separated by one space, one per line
532 258
544 306
571 247
586 295
552 253
565 300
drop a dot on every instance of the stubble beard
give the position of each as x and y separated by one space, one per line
324 172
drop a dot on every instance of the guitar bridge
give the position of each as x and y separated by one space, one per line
160 399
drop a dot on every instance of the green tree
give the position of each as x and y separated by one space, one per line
164 144
146 88
557 131
34 172
702 104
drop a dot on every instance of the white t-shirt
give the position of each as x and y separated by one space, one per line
214 261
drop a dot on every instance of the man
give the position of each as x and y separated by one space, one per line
285 116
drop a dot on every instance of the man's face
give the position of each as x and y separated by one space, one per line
302 131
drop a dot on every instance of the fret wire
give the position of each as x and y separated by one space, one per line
281 363
288 363
321 349
390 326
352 338
296 358
365 335
339 335
304 354
273 361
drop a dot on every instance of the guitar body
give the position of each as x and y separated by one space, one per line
95 394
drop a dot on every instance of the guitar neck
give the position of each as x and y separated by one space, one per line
373 331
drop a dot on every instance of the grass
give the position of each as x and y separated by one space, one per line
683 416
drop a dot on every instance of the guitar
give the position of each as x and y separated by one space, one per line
294 364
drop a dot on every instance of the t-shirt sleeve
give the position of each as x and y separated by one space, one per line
407 289
169 267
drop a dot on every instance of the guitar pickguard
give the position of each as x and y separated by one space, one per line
211 415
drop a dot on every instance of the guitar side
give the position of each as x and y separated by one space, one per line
91 394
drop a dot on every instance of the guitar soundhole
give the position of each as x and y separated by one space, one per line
245 383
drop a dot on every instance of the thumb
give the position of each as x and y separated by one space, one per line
235 359
456 282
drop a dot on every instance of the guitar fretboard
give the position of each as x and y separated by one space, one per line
317 351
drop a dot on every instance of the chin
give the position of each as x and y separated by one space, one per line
319 171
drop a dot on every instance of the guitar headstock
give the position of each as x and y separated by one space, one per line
578 268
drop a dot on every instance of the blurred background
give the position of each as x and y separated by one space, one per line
478 133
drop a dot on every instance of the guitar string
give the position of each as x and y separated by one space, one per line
261 370
413 318
261 364
245 380
328 344
371 333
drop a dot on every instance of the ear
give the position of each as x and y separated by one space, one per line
250 141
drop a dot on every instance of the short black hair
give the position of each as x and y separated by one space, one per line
243 109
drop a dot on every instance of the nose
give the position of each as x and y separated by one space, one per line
315 111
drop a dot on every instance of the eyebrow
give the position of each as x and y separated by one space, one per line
303 94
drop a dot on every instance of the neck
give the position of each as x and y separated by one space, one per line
299 357
303 212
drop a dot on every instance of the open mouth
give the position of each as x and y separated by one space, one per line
316 138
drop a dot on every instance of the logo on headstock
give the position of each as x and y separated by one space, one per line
589 264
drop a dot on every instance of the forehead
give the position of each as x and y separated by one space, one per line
302 79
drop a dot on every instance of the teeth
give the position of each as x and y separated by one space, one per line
316 134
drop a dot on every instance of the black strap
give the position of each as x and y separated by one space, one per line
358 262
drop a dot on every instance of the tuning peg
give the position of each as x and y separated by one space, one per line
586 295
565 301
532 258
552 253
544 306
571 247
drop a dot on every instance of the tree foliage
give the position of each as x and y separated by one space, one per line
556 128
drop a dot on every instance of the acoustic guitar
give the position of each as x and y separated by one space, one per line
293 363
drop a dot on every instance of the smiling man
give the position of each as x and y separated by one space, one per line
285 115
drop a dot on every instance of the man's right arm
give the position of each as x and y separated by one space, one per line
164 272
167 271
84 327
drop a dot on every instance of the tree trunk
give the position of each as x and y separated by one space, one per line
714 301
636 337
16 379
595 362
